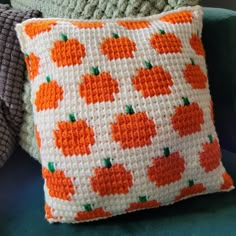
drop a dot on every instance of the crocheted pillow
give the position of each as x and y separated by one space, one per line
27 138
88 10
101 9
11 78
123 114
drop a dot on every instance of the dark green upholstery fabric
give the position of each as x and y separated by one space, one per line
5 1
21 209
219 38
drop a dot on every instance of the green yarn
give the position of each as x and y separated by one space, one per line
100 9
84 9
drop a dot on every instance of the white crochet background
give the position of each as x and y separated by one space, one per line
100 115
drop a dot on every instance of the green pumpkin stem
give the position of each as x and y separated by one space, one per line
72 117
87 207
107 163
192 61
186 101
51 167
142 198
95 70
64 37
148 64
166 151
26 55
129 109
190 183
210 138
162 31
48 79
115 35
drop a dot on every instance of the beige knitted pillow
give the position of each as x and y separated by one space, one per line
122 112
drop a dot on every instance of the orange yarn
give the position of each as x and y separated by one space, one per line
211 155
166 43
32 63
110 180
197 45
166 169
34 28
228 182
133 130
59 186
48 96
67 52
88 24
92 214
98 88
48 212
195 76
133 25
37 136
143 205
118 47
191 190
152 82
187 119
178 17
74 138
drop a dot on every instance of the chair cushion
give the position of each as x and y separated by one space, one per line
100 9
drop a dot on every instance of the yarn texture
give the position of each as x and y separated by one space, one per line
122 113
27 138
101 9
85 10
11 79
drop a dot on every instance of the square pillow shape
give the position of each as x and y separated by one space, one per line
84 10
123 113
12 69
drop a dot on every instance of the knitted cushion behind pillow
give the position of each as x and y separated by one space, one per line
101 9
123 114
27 138
12 70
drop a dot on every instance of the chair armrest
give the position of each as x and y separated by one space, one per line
219 39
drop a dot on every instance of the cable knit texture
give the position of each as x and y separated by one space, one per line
122 112
100 9
88 9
